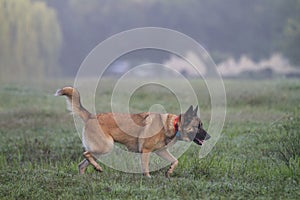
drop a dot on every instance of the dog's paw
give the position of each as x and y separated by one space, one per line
146 175
98 169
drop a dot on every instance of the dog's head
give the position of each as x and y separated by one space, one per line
190 127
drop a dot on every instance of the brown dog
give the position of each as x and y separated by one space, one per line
142 132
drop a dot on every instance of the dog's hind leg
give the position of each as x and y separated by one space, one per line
92 161
82 166
165 154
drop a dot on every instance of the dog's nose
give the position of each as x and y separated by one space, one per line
207 137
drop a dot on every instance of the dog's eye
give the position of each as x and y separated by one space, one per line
190 129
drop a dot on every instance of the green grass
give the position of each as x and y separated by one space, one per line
257 156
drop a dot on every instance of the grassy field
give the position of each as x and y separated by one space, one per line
257 156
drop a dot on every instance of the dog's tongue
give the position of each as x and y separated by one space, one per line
199 141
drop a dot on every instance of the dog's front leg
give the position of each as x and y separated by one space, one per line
145 163
92 161
165 154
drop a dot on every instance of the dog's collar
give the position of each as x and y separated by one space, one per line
176 126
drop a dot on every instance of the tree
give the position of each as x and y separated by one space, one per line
30 40
291 42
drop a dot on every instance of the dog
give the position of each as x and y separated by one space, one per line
143 132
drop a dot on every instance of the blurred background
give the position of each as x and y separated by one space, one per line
44 39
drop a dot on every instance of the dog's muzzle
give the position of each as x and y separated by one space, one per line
201 136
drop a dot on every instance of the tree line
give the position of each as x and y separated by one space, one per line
47 36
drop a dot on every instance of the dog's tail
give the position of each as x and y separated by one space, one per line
73 102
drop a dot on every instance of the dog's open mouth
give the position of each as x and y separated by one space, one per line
198 141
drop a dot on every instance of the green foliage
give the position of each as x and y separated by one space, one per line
40 38
35 34
257 156
291 43
30 40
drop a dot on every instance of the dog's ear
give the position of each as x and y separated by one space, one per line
195 111
189 111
